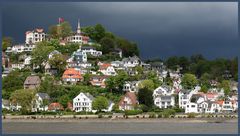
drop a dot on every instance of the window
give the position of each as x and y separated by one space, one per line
193 106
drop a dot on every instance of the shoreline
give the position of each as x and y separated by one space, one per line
165 120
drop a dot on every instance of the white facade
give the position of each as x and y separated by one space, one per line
38 102
35 36
163 97
83 102
18 66
78 37
131 86
131 61
21 48
27 60
191 108
92 51
109 71
185 96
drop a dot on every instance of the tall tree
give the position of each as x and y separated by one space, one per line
189 81
107 44
100 103
6 42
40 54
58 61
24 98
145 97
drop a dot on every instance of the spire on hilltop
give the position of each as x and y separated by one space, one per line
78 27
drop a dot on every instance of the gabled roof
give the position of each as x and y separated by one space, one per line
43 95
132 96
88 48
32 80
71 73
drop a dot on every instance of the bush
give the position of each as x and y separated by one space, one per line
133 112
100 115
152 115
168 112
178 110
191 115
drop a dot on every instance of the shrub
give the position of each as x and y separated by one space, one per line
160 115
133 112
191 115
168 112
152 115
100 115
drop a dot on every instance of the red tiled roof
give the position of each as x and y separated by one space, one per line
104 66
220 102
72 73
55 106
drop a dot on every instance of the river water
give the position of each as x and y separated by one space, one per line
117 127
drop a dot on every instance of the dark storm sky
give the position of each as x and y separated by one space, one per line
160 29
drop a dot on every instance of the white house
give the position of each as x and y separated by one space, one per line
34 36
131 86
107 69
78 57
131 61
192 107
27 60
91 50
18 66
209 107
163 97
20 48
78 37
83 102
185 95
39 104
5 104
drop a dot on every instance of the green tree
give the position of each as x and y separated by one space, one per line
100 103
13 81
149 84
107 44
205 81
60 31
145 97
58 61
64 99
225 84
6 42
23 98
40 54
189 81
172 62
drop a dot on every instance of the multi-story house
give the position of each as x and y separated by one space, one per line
83 102
131 86
78 36
163 97
78 57
185 96
131 61
32 82
98 80
91 50
72 76
40 102
107 69
128 101
34 36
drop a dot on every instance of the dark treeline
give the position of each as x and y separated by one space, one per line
217 69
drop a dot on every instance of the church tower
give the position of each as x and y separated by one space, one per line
78 27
